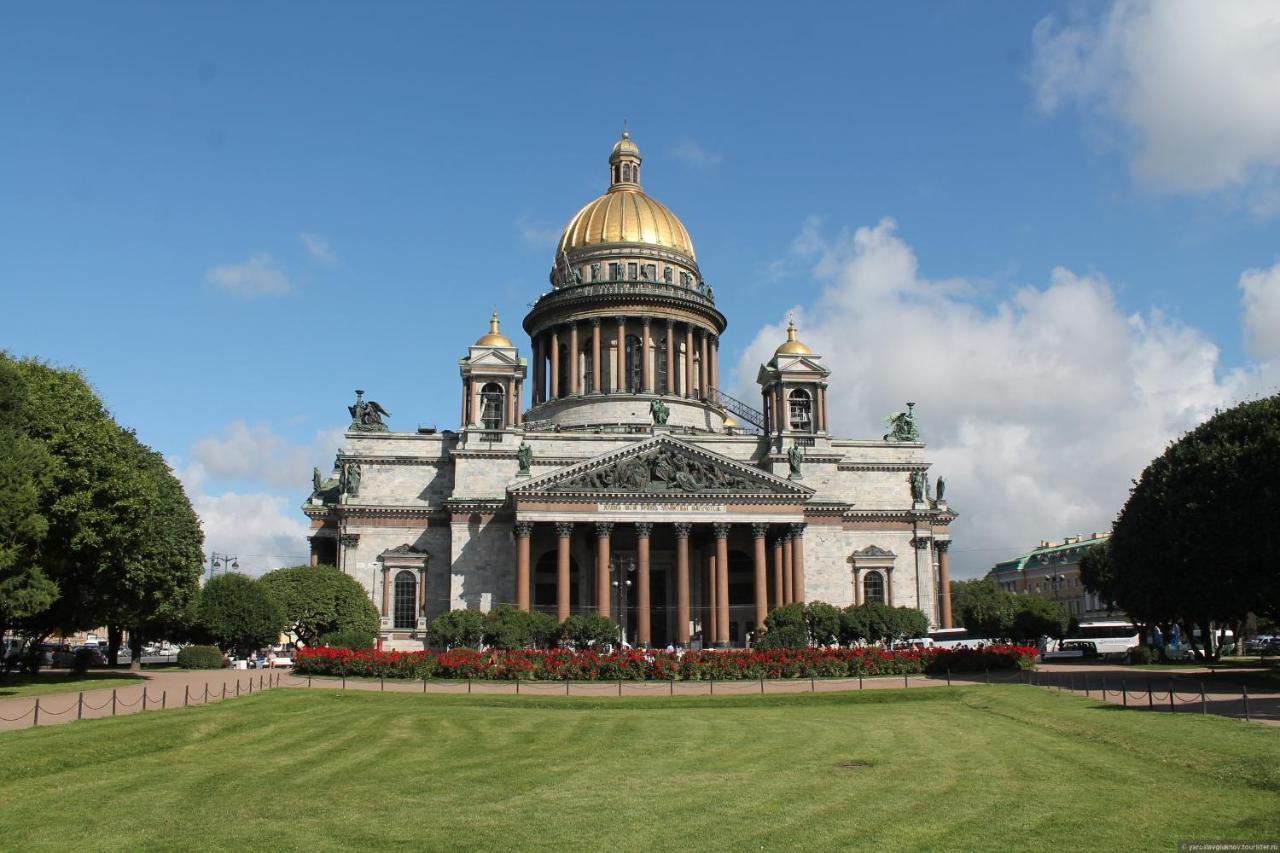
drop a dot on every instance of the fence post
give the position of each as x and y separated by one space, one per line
237 687
1204 703
859 681
224 688
144 697
517 687
1244 692
344 681
713 687
619 686
1151 698
382 683
905 683
164 700
1104 687
186 695
1086 685
259 682
468 684
113 701
1171 708
424 684
80 706
1124 693
673 686
35 719
948 676
762 685
566 687
813 684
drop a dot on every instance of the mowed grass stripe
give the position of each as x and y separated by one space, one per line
960 768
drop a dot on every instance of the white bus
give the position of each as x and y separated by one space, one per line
1108 637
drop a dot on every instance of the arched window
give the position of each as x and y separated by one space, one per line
492 410
406 601
634 354
801 410
873 588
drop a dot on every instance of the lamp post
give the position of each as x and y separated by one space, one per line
622 585
226 562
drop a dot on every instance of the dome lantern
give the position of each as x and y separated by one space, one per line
793 346
624 164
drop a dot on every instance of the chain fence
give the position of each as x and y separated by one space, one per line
1179 693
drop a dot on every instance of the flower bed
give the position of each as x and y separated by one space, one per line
638 664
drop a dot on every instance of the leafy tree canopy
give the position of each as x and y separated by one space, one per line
320 600
584 629
239 614
463 627
508 627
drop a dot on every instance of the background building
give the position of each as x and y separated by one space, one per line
632 486
1052 571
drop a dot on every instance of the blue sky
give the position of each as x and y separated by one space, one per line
229 216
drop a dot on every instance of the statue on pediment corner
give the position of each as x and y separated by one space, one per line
366 415
902 425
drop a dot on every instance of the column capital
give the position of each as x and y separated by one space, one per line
644 321
671 322
683 529
921 543
797 529
721 529
759 529
523 529
604 529
621 319
595 321
942 545
349 540
564 529
644 529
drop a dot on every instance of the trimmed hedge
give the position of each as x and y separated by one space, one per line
200 657
637 664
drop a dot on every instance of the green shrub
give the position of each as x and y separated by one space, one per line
823 621
785 628
508 628
200 657
351 638
1140 654
458 628
584 629
237 612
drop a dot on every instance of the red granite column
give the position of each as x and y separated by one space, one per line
777 572
721 530
673 363
797 562
644 633
386 592
603 531
682 529
711 623
688 360
944 578
594 383
523 530
564 531
622 354
704 366
536 363
788 593
645 370
758 532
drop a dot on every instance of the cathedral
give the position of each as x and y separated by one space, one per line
632 486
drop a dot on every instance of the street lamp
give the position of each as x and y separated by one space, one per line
622 585
226 562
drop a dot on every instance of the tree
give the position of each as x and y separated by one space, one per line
458 628
874 622
508 627
26 474
239 614
823 622
1195 541
1096 572
985 610
586 629
1039 617
320 600
908 623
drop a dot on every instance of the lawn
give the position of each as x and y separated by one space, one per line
1002 767
14 684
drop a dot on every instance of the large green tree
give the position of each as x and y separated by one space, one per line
26 474
1197 540
984 609
320 600
238 614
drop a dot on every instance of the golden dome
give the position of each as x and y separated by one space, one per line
494 338
730 422
625 214
792 346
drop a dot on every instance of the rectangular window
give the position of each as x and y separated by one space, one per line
632 271
615 272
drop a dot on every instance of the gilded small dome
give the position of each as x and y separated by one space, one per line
494 338
792 346
730 422
625 214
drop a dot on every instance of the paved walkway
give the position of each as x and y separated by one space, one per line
1143 690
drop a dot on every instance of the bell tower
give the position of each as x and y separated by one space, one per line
492 383
793 385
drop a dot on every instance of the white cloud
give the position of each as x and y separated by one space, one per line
263 528
692 154
1194 88
318 248
244 453
258 276
536 234
1261 302
264 531
1038 410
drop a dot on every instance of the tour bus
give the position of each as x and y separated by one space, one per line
1108 637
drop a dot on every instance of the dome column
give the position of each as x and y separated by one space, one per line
672 364
594 379
622 355
646 369
688 360
715 362
573 357
555 364
703 364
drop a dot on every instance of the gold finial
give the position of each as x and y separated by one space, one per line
495 338
625 133
493 323
793 345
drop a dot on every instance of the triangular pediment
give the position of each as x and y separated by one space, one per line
873 551
494 358
662 466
